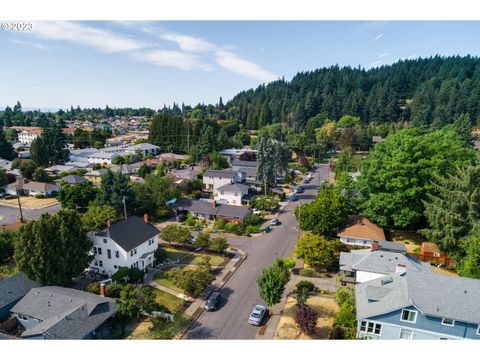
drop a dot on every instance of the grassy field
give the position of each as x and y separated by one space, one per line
171 302
160 279
412 240
30 202
193 259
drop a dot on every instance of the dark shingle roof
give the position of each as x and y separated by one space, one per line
74 179
233 212
14 288
220 173
206 208
65 313
233 187
242 163
130 233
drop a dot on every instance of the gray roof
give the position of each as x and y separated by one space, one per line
233 187
98 172
207 208
250 172
64 313
380 262
220 173
144 147
130 233
433 294
233 212
14 288
247 164
74 179
391 246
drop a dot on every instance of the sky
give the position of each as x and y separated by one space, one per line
148 64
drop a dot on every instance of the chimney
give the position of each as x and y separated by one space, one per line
145 218
214 204
109 223
375 246
102 290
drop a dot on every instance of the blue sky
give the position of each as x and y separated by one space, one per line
135 64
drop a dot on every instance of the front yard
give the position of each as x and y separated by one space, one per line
30 202
412 240
187 257
162 280
325 306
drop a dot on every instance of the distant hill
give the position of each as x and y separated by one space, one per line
424 91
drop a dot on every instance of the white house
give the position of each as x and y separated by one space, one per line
213 179
107 154
127 243
31 188
231 194
27 135
360 231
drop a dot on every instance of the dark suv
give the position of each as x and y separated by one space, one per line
213 302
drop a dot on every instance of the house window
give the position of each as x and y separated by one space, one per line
409 316
96 263
131 252
448 322
100 263
221 192
371 327
114 266
478 330
236 194
104 241
406 334
117 254
95 250
99 251
109 254
135 251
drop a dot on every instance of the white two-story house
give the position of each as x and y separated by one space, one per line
127 243
231 194
213 179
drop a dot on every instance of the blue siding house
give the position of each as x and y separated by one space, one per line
418 305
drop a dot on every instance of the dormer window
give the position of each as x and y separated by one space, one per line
104 241
448 322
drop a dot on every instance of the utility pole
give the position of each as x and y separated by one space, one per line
124 207
19 204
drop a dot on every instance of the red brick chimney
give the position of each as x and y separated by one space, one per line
145 218
109 223
102 290
375 246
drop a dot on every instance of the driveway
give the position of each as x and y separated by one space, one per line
241 290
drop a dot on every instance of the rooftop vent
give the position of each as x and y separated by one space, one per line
387 280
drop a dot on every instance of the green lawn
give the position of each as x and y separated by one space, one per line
170 301
193 259
160 279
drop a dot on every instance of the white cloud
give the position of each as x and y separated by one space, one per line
35 45
376 63
376 38
34 88
235 64
102 40
176 59
383 55
189 43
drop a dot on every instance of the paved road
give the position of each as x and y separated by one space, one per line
241 291
9 214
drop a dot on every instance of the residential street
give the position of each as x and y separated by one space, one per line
9 214
241 291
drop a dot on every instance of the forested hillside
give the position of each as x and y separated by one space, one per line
424 91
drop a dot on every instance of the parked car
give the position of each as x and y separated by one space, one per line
257 315
181 217
257 212
292 197
299 189
275 222
214 301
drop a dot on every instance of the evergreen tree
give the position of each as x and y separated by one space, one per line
56 142
39 152
265 160
6 149
114 187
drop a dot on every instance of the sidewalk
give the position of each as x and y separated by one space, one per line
195 309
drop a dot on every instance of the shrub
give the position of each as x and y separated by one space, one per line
253 219
192 281
160 255
121 274
136 275
306 319
190 220
308 273
219 224
252 229
346 316
344 295
340 333
39 196
305 284
289 263
233 228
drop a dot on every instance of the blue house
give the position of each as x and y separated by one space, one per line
418 305
12 290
